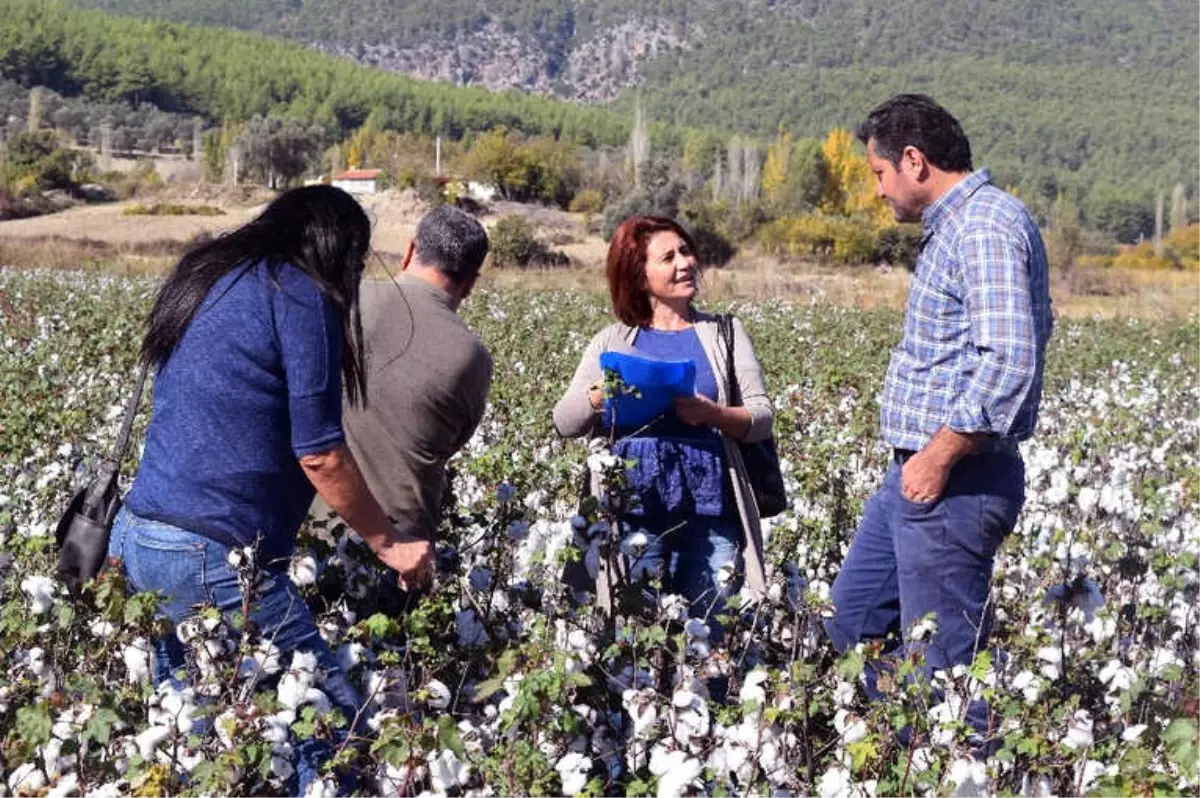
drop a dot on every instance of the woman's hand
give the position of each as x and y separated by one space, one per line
596 397
412 558
697 410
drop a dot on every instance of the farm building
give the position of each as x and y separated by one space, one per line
357 181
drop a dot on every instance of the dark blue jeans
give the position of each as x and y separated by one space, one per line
688 555
909 559
191 570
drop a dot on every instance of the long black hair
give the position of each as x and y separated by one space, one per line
320 230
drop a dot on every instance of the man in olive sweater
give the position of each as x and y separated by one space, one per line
428 373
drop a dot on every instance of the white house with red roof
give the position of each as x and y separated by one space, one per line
357 181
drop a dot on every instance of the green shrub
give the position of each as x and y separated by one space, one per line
513 242
589 200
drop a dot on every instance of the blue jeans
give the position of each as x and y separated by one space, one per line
909 559
191 570
687 554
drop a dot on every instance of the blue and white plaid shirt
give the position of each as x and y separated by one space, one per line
976 322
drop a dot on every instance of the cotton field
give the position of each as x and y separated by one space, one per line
501 682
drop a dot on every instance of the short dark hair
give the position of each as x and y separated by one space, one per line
915 120
626 266
451 241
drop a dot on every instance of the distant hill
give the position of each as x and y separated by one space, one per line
1054 93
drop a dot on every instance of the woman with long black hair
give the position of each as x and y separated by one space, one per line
255 335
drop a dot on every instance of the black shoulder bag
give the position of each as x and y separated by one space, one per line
84 528
761 458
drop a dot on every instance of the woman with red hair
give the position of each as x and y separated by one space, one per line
697 526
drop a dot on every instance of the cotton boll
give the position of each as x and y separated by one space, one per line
303 570
1029 685
67 785
327 788
40 590
573 769
675 770
1133 733
139 659
439 694
835 783
1079 732
969 777
446 772
149 740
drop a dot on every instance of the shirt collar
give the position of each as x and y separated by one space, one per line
945 205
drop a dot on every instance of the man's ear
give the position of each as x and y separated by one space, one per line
912 161
408 256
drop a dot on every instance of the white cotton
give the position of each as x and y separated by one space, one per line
66 785
573 769
752 688
150 739
264 661
852 728
843 694
969 777
303 570
101 628
1060 487
1117 677
835 783
1134 733
439 694
1087 499
1051 659
1029 684
277 728
323 788
139 660
1079 733
40 590
675 770
446 771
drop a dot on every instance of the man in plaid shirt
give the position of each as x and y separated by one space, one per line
962 389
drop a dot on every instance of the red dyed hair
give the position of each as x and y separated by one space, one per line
626 267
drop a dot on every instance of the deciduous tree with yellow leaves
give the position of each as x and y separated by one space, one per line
850 185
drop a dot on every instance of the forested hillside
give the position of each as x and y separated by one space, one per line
1055 95
224 74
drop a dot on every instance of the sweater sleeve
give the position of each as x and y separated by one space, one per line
574 415
752 385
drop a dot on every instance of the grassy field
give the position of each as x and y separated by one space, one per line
497 684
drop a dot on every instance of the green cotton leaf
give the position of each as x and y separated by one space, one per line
34 724
100 724
447 737
379 625
851 665
1181 744
981 665
486 689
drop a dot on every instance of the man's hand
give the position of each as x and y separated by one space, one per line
923 477
412 558
697 410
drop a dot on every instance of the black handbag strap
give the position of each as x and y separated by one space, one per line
733 391
122 447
